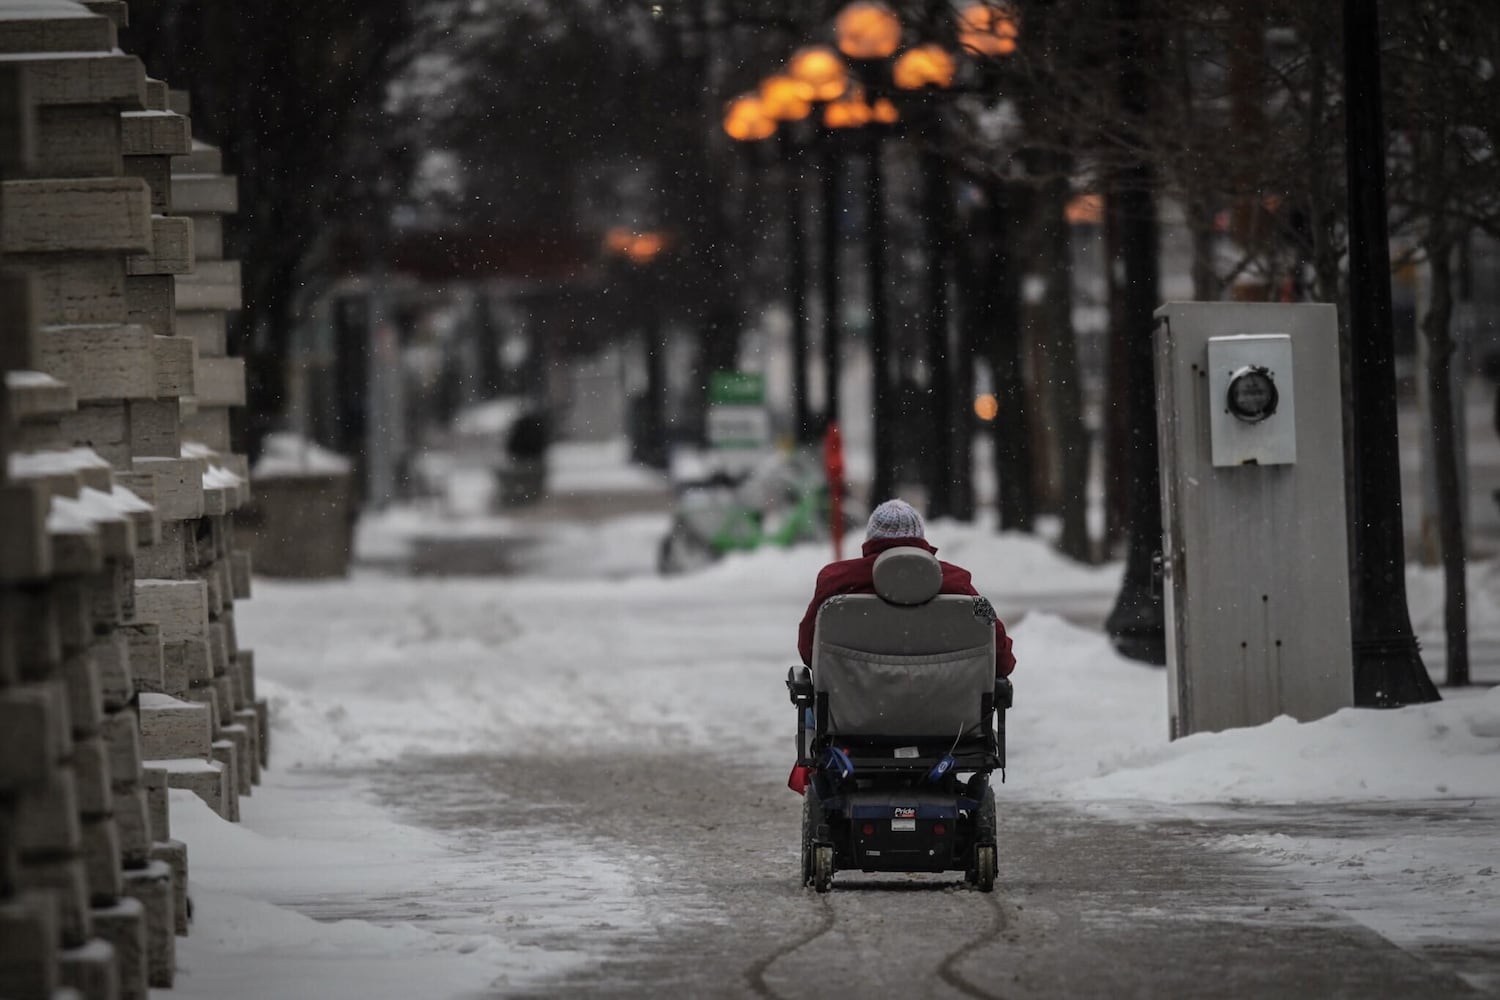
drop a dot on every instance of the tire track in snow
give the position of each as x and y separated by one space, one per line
755 975
948 967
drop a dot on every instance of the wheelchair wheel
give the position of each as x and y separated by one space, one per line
823 867
984 867
985 835
810 811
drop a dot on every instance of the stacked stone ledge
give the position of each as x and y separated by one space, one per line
120 674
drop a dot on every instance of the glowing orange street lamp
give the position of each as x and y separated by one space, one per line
746 119
928 65
785 98
867 30
820 68
988 29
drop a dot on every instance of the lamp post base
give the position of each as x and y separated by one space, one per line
1389 673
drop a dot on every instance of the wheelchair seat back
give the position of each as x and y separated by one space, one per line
905 662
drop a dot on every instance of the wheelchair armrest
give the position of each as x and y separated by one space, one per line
1004 693
799 686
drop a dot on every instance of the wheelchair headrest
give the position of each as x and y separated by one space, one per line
907 575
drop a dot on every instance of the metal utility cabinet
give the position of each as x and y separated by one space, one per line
1255 546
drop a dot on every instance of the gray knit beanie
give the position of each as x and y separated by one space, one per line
894 519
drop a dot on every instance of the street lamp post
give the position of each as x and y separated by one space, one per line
1388 668
787 99
824 72
868 32
925 69
640 250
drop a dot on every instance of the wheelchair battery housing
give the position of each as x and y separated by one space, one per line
908 830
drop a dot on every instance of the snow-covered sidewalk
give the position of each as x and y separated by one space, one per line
369 670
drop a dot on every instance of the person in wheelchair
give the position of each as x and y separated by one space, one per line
900 711
893 524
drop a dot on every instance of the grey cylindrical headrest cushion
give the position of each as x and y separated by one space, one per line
908 575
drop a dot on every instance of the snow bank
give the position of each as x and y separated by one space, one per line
377 667
287 454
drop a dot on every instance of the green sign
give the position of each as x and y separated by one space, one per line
741 388
737 415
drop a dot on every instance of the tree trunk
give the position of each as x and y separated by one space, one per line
935 211
1060 347
1440 356
1015 481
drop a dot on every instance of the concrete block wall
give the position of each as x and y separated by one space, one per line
120 671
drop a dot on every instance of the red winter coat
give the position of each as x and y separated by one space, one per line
857 576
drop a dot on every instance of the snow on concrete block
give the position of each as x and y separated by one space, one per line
101 857
75 215
152 886
177 490
204 778
158 809
123 925
111 655
172 248
28 946
155 133
90 969
55 29
173 853
220 381
34 733
209 425
91 776
226 754
37 396
173 729
134 824
100 361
